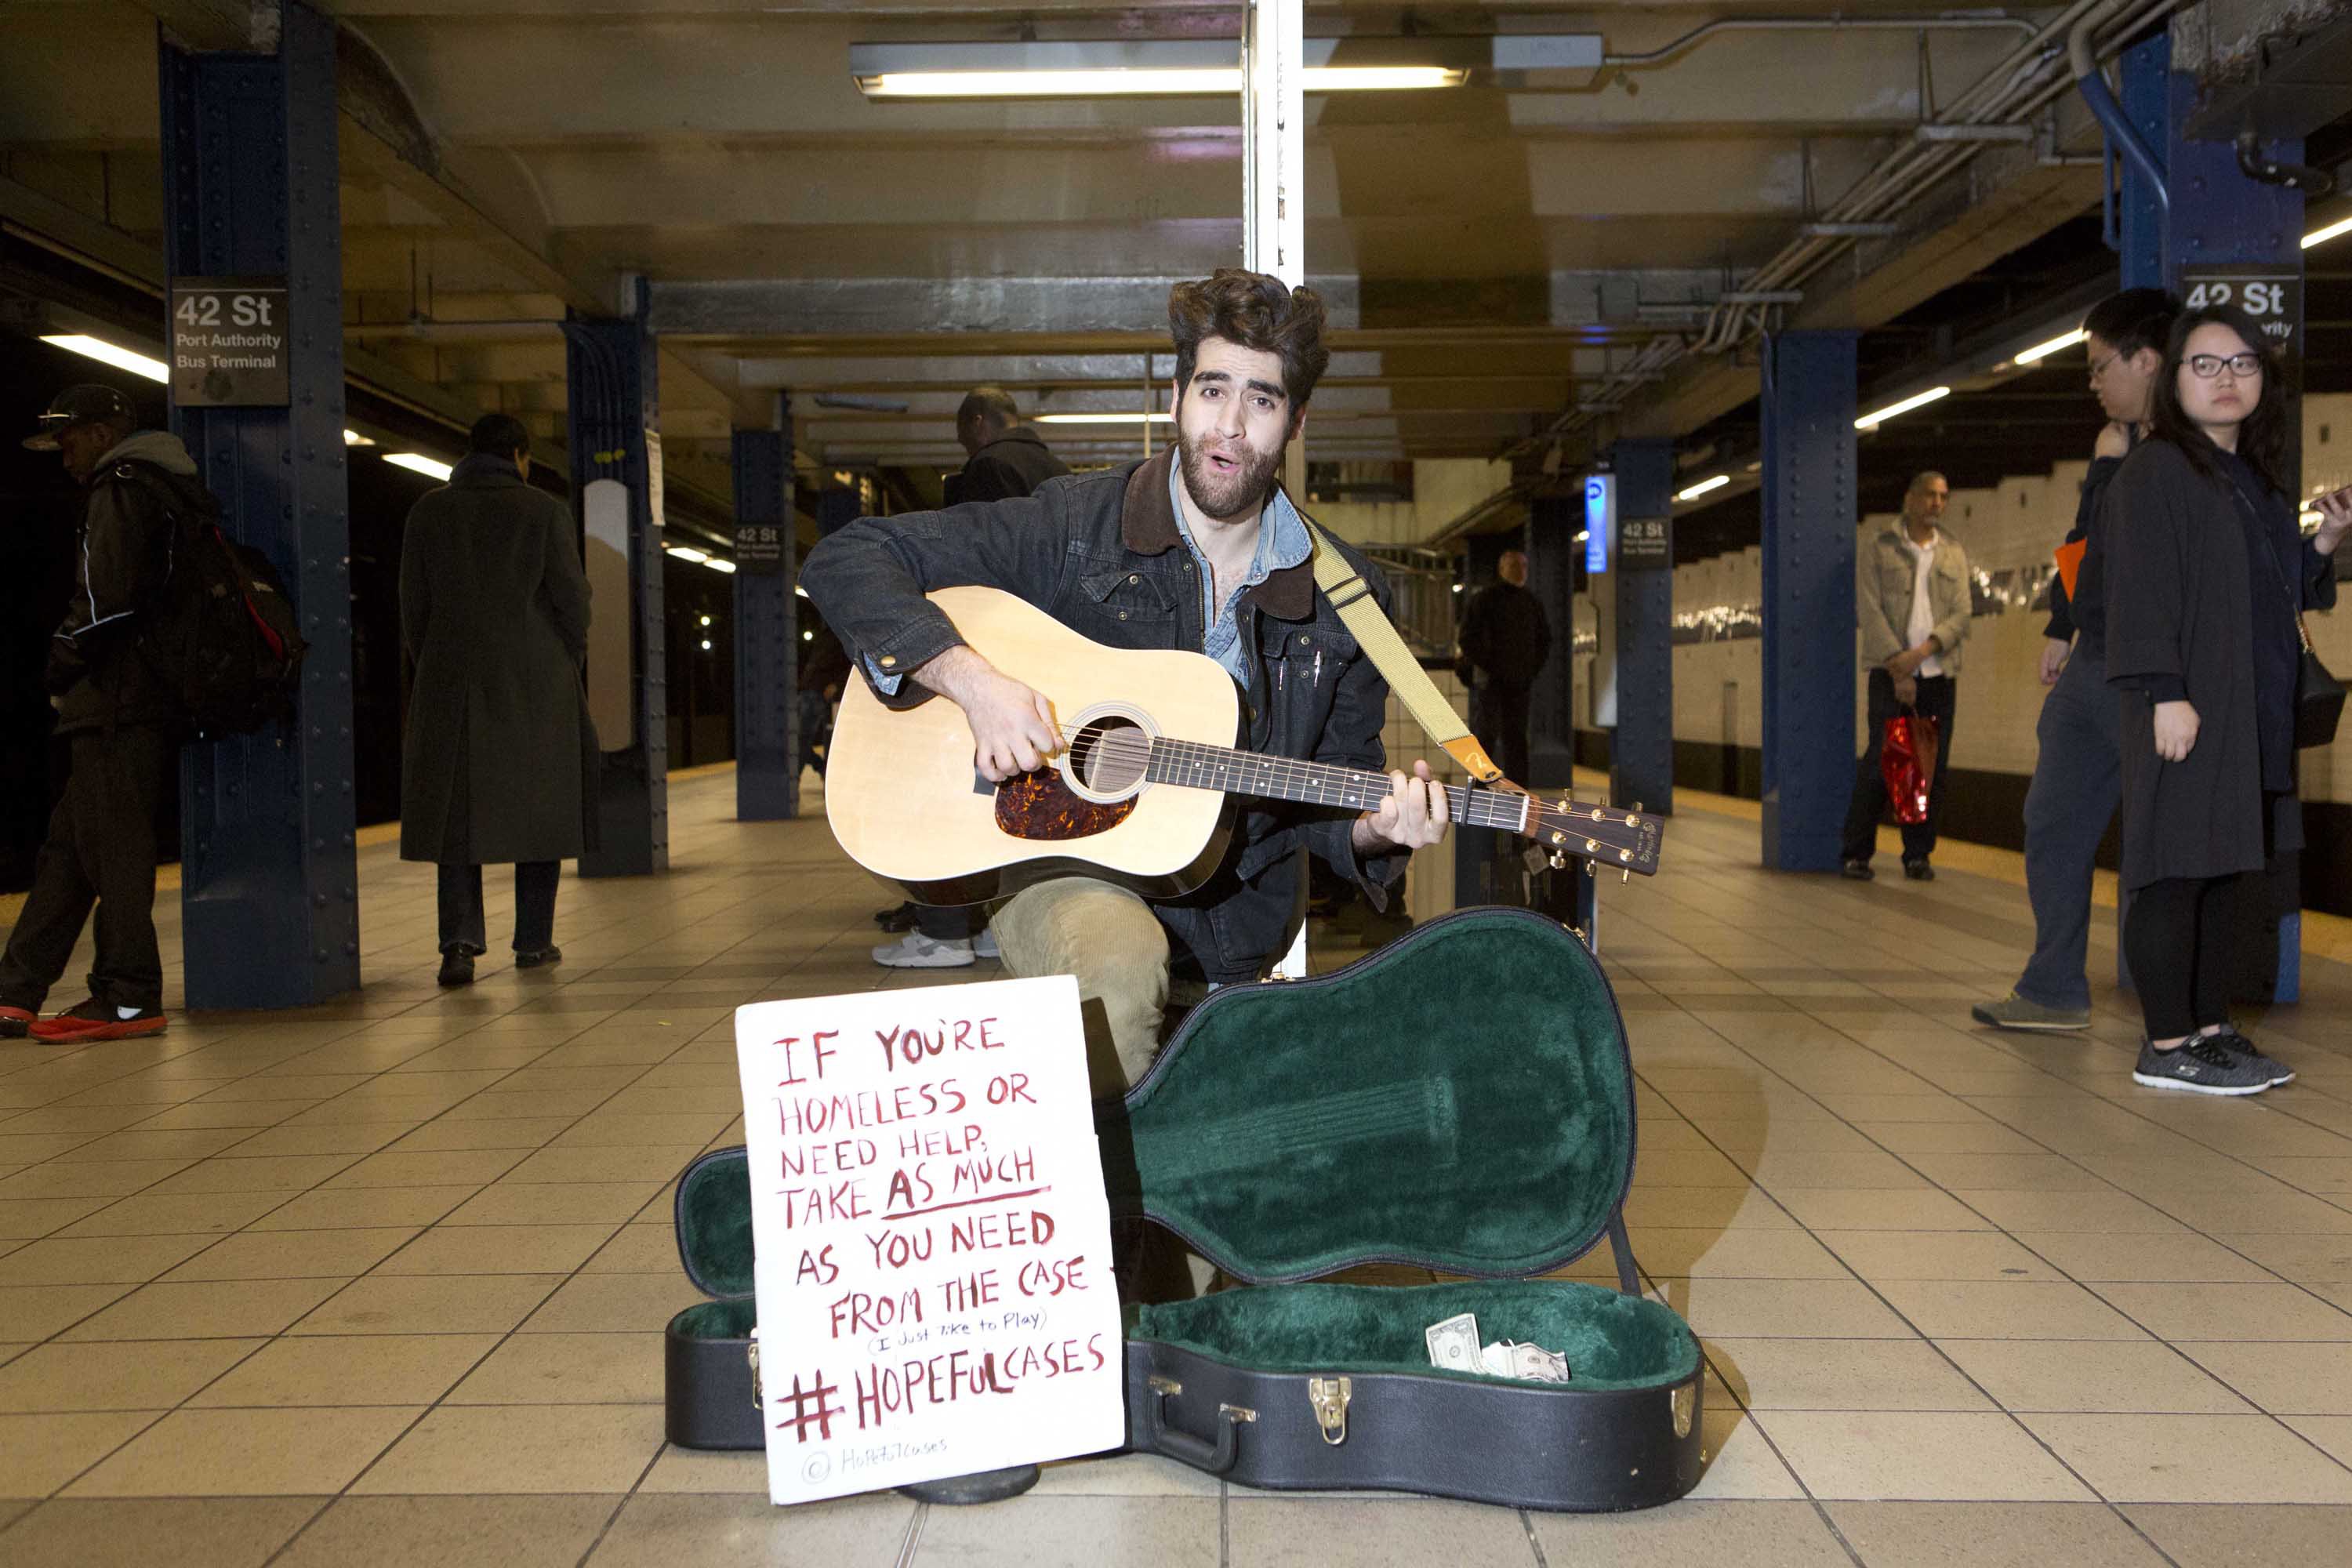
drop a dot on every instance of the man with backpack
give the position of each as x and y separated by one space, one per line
122 716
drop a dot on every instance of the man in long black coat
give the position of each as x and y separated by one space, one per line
494 610
1505 640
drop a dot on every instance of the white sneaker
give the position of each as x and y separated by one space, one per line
984 945
916 950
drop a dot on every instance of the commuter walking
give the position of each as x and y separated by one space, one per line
1913 599
494 611
120 716
2076 777
2207 575
1505 640
1004 460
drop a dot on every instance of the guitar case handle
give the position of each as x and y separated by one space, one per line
1215 1456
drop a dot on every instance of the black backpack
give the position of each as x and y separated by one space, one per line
221 633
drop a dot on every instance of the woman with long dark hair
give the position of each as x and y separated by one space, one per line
2206 574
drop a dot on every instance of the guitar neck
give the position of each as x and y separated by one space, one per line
1190 765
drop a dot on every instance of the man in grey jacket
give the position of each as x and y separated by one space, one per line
1912 599
121 717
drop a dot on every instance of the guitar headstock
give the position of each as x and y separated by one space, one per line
1588 830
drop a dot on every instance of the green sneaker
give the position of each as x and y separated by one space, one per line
2014 1012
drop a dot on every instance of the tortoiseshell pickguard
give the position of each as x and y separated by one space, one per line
1040 805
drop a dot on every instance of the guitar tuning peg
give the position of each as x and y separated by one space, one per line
1625 876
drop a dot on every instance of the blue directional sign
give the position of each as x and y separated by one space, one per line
1599 520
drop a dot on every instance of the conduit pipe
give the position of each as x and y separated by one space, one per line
1697 36
2093 84
2012 92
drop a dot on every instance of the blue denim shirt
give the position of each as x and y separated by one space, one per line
1282 541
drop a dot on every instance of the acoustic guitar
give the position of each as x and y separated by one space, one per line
1139 793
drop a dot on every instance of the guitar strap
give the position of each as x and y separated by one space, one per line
1353 597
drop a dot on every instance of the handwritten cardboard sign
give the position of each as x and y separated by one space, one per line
932 1244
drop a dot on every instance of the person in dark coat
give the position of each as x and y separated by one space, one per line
1505 640
2206 575
36 561
1004 458
494 611
2077 776
122 718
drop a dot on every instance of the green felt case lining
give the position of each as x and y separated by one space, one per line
1461 1099
1611 1340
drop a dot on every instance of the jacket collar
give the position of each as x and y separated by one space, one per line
1147 525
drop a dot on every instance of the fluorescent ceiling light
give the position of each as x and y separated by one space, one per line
416 463
2322 236
685 552
1102 418
105 353
353 438
2043 351
1702 487
716 564
1224 81
1873 421
1162 67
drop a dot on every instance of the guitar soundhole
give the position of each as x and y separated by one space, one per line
1109 755
1040 805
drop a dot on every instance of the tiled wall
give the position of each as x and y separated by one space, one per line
2009 531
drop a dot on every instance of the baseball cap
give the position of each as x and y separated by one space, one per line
85 404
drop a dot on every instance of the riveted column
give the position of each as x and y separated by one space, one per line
615 417
1809 548
1642 747
767 634
269 882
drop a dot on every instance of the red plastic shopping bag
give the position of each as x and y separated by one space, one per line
1907 761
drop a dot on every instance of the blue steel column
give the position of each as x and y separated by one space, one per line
614 407
2146 69
767 634
269 880
1641 749
1809 544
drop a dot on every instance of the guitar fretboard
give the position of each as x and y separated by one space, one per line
1190 765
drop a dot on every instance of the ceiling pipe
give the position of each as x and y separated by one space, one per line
1699 35
2109 113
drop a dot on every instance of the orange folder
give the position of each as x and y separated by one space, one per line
2070 563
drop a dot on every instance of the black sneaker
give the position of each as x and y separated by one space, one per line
1856 871
1918 870
2202 1065
456 968
538 957
2237 1044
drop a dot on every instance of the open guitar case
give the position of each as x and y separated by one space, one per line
1461 1100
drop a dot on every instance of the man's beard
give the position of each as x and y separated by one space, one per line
1228 496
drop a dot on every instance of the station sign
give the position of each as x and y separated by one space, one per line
1599 520
1645 545
2270 294
230 345
759 548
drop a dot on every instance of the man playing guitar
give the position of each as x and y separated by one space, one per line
1195 549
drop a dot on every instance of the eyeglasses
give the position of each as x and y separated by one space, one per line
2205 367
2102 367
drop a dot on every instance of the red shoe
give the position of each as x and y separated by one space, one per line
15 1021
93 1020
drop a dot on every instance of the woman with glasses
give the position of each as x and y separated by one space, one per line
2207 572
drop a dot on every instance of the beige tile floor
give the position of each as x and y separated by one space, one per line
384 1281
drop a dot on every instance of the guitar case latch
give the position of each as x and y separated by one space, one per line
1329 1396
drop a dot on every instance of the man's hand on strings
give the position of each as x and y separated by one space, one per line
1413 816
1013 729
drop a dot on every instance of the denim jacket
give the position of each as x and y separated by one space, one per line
1102 555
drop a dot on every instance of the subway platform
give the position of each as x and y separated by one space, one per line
384 1281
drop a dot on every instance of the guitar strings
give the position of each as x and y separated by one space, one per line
1132 748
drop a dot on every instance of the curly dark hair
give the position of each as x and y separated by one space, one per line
1257 312
2261 439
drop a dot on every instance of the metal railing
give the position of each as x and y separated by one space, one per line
1422 597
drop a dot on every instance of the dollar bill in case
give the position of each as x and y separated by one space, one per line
1461 1100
